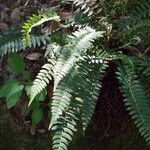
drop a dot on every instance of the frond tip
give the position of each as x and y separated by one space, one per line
34 21
42 79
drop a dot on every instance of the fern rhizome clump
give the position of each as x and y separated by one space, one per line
78 51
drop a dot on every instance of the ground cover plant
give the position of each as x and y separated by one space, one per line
79 50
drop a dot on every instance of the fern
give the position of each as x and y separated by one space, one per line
142 10
11 41
42 79
143 66
73 99
141 19
135 99
91 8
35 21
63 130
80 42
93 81
78 66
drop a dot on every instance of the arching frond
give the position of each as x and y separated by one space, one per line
42 79
80 42
91 8
142 10
11 41
143 65
34 21
74 100
135 100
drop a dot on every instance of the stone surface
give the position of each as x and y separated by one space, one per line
6 9
3 27
4 16
2 7
15 16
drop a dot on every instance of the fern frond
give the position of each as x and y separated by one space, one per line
80 42
143 23
143 69
75 99
42 79
11 41
137 103
91 8
34 21
142 10
143 65
90 89
66 126
38 40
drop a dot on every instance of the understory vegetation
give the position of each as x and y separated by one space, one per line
80 42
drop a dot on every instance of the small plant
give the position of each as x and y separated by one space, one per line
17 84
78 61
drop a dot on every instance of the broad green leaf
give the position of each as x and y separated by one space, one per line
37 116
12 100
16 88
41 96
16 63
26 75
12 91
4 90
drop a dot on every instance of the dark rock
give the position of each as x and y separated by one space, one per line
6 9
2 7
3 27
15 16
4 16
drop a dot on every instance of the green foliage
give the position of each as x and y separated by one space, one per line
37 116
12 91
16 63
11 41
143 65
34 21
135 100
78 62
42 79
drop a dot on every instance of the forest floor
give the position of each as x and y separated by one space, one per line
110 129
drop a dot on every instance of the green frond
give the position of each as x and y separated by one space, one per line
91 8
73 52
64 113
90 88
11 41
66 126
141 18
74 100
142 10
35 21
38 40
143 69
134 97
63 65
142 23
42 79
143 65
